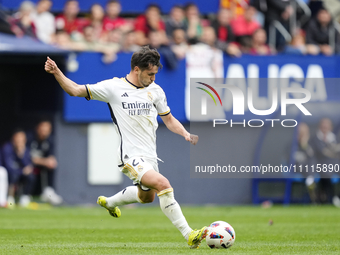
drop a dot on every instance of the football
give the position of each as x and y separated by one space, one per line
221 235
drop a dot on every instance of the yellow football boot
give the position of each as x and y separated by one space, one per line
196 237
114 212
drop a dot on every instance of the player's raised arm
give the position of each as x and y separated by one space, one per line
175 126
69 86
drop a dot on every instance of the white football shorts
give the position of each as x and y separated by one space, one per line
136 167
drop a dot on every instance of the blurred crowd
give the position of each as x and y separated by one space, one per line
27 167
322 151
256 27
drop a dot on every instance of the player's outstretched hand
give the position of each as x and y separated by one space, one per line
193 139
50 66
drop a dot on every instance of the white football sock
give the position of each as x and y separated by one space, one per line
173 211
129 195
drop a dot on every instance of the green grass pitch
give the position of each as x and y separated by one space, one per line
145 230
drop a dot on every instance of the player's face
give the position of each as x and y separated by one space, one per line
148 76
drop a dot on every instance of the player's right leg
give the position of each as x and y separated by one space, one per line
171 208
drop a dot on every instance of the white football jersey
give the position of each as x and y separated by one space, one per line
134 112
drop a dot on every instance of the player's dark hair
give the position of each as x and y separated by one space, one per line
146 58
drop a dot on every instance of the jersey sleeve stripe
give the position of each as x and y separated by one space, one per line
164 113
90 91
88 97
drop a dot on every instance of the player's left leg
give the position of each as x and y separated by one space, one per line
171 208
129 195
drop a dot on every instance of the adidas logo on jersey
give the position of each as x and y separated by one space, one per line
125 95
